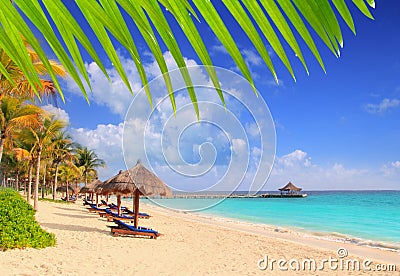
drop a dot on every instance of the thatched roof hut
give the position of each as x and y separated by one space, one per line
63 189
91 187
136 181
137 177
290 188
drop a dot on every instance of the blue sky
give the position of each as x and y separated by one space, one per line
338 130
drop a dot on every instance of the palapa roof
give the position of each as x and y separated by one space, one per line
91 187
137 177
63 189
290 187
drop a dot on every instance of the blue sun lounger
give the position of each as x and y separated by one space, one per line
94 208
126 210
113 216
126 229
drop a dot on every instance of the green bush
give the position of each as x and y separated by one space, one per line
18 227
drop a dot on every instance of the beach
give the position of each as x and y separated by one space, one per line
190 245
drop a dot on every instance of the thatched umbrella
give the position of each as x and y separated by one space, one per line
63 189
90 188
137 181
68 190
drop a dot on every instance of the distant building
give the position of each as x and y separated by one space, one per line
290 189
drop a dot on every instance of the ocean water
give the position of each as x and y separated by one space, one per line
370 218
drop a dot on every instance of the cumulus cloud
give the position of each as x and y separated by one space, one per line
251 57
114 94
298 168
59 113
391 169
106 141
385 105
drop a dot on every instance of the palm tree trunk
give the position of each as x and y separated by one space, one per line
55 181
36 190
17 181
2 140
44 180
66 195
28 196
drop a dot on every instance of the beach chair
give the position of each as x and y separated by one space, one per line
85 202
127 211
126 229
103 202
94 209
114 216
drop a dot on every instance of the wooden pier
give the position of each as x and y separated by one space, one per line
216 196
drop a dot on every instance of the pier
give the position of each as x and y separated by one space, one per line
216 196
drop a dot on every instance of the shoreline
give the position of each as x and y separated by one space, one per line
190 244
383 254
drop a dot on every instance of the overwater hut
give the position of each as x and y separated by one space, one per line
290 189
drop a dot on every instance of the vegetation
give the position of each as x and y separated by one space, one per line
280 23
42 152
34 144
18 227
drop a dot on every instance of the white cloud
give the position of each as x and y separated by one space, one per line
60 114
298 158
251 57
106 141
298 168
391 169
383 106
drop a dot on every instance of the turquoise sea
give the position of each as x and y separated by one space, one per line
370 218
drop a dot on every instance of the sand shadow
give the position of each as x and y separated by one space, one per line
73 216
69 209
76 228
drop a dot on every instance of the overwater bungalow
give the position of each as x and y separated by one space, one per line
290 189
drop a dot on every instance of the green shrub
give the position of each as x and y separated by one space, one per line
18 227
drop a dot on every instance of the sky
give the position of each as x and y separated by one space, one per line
333 131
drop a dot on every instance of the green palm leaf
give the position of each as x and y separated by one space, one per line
105 17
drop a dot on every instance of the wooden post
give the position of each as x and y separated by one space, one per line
97 199
119 204
136 209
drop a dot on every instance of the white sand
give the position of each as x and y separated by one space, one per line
191 245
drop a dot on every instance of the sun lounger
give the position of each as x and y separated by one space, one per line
71 199
126 229
127 211
103 202
113 216
94 208
86 202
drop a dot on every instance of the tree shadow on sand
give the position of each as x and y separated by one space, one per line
69 209
76 228
74 216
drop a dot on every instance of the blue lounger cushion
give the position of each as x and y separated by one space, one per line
113 206
139 229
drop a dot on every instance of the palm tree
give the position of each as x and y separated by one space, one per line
69 173
259 20
42 136
14 114
88 161
62 153
25 149
13 81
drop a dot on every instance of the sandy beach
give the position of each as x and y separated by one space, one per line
190 245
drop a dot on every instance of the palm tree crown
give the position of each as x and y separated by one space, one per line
88 161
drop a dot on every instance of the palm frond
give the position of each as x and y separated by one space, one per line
109 19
